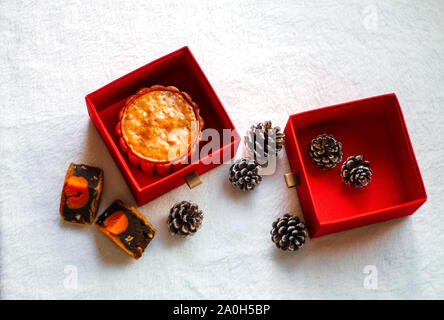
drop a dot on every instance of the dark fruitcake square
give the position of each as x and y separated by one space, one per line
127 227
81 194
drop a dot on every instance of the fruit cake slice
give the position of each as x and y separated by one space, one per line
81 194
127 227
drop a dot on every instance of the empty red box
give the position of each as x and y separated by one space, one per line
178 69
375 128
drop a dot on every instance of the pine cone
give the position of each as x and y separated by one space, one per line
325 151
244 174
288 233
264 141
356 172
185 218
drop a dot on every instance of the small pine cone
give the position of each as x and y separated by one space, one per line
264 141
356 172
325 151
185 218
288 233
244 174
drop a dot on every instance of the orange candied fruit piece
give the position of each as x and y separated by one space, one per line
116 223
76 192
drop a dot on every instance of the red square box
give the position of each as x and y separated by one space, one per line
375 128
178 69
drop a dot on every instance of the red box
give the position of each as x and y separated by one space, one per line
178 69
375 128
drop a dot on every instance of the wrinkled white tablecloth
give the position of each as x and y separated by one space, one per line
266 60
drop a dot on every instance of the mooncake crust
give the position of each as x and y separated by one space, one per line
136 148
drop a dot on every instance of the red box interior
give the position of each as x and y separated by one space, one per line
372 127
178 69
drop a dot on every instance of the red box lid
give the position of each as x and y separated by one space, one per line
373 127
179 69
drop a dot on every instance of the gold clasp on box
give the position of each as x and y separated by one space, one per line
292 180
193 180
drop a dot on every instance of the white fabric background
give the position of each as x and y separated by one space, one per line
266 60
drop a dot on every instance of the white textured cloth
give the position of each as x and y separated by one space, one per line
266 60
